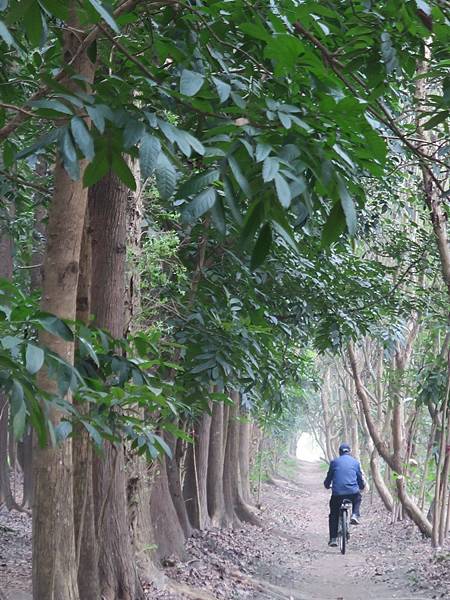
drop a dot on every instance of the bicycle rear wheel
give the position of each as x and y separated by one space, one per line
343 527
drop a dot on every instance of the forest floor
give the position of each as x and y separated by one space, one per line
287 559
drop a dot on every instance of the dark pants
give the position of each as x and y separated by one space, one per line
335 505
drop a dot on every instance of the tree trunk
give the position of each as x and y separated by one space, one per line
382 489
169 535
6 272
83 494
195 483
107 213
216 502
244 460
235 507
54 558
174 480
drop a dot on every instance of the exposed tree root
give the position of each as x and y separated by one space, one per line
277 592
190 592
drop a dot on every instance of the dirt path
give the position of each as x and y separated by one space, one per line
330 575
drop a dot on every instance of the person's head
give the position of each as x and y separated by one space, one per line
344 449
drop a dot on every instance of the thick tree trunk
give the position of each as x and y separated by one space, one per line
235 507
195 482
169 535
216 502
54 557
107 213
174 480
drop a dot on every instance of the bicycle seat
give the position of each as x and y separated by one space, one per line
346 502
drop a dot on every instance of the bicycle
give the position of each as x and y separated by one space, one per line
344 524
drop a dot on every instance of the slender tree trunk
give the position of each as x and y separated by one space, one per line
107 212
244 460
6 496
195 483
326 416
410 507
216 502
86 543
382 489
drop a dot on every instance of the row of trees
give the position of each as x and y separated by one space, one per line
178 183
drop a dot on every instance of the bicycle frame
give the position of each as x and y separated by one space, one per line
344 524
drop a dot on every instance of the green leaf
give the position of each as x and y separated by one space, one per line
191 82
56 8
199 205
94 433
223 89
96 169
255 30
348 207
262 246
18 409
67 148
6 36
97 116
33 23
82 137
270 168
105 15
218 216
34 358
123 171
262 151
334 226
231 200
133 132
149 151
239 176
437 119
283 191
54 105
10 341
55 326
42 142
166 177
197 183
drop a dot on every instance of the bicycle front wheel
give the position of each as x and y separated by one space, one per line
343 536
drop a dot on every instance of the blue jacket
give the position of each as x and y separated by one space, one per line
344 475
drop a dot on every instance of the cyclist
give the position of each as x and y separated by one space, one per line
346 479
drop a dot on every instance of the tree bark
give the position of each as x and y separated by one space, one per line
235 507
107 213
169 535
195 483
83 494
244 460
174 480
54 558
216 502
